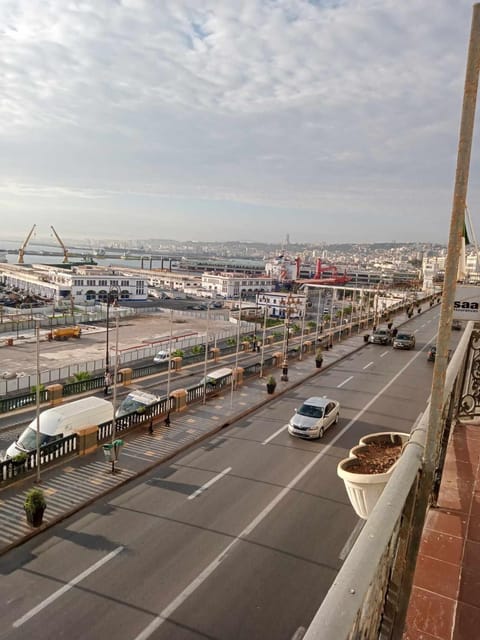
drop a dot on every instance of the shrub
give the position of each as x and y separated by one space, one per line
34 500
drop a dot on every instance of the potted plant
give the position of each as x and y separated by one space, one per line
369 467
34 506
319 358
271 384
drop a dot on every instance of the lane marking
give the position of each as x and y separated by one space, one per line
274 435
368 365
57 594
347 547
209 569
344 382
209 483
382 355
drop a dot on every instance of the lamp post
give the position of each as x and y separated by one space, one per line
284 376
264 333
206 357
234 374
303 323
112 297
114 399
37 396
169 372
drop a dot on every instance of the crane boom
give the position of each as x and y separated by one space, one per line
65 251
21 251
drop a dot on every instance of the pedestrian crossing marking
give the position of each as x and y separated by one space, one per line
191 420
49 491
69 469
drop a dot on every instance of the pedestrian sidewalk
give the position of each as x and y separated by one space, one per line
82 480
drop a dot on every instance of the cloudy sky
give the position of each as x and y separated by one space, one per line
330 120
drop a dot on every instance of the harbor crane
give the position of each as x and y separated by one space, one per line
64 248
21 251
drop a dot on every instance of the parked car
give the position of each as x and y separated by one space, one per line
404 341
432 352
314 417
381 336
161 356
457 325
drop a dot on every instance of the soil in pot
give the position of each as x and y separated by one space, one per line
375 458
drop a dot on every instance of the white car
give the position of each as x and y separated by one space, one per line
314 417
161 356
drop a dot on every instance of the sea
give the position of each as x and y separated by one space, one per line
37 253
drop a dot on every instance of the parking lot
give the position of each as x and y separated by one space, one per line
134 332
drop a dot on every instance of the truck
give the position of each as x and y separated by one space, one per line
64 333
61 421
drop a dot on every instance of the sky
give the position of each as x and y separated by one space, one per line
328 120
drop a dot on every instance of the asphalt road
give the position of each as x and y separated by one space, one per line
239 538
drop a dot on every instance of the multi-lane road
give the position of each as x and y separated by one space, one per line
239 538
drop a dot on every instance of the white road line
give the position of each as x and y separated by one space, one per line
368 365
209 569
347 547
42 605
275 434
344 382
209 483
382 355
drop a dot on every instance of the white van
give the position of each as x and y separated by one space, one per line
62 421
217 378
136 402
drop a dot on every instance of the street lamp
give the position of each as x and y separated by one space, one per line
112 297
37 395
206 356
288 302
114 403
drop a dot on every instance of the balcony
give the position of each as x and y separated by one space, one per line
414 570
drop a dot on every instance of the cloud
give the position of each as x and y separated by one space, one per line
342 114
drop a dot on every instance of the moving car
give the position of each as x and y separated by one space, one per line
432 352
381 336
404 340
456 325
314 417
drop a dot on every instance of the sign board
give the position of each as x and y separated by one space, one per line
466 305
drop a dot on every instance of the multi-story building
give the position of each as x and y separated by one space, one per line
232 285
85 285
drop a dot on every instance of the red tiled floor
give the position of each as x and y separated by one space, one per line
469 591
431 614
467 622
445 521
445 600
441 545
473 531
437 576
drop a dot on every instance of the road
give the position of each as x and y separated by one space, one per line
239 538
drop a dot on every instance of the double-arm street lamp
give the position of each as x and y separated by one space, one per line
112 298
288 310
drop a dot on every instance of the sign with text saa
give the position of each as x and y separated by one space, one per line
466 305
